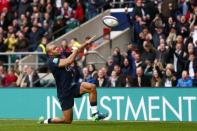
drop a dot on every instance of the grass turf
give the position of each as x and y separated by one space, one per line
30 125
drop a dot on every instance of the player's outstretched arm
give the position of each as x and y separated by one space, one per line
81 48
69 60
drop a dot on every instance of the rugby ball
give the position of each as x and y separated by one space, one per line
110 21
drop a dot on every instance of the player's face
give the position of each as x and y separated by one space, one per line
55 50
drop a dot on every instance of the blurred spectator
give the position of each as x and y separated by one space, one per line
11 42
170 24
10 79
4 4
22 43
118 70
145 35
126 69
168 8
34 38
2 75
141 80
75 43
47 19
191 66
3 48
42 48
85 75
156 80
194 36
42 58
8 16
191 49
139 9
79 12
149 52
57 29
90 10
3 23
58 4
67 11
169 80
183 7
128 81
110 66
32 78
185 81
183 26
136 61
23 7
91 69
157 35
162 54
117 57
104 72
101 80
21 77
178 57
113 80
151 9
148 70
171 36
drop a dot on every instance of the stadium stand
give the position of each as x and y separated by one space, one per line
162 51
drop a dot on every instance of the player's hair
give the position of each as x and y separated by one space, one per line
48 48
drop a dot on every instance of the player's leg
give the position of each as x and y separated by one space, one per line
67 111
66 118
91 90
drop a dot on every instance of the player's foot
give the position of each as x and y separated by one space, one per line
99 116
41 120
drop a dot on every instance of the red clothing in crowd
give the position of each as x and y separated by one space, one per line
3 4
79 13
9 80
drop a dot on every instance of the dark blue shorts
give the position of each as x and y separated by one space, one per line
67 102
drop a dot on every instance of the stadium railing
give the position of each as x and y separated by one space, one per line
45 78
20 55
122 3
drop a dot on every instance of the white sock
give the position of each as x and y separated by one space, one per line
46 121
94 109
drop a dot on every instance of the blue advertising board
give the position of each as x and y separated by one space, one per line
133 104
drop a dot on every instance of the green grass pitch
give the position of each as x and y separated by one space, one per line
31 125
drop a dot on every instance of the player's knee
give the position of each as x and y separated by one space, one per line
67 121
83 84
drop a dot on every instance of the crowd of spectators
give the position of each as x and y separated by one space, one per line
24 22
162 53
13 77
28 25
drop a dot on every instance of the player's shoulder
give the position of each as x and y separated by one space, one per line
53 60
